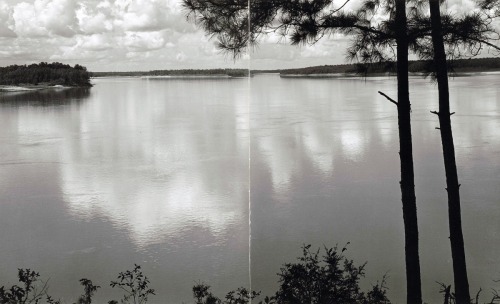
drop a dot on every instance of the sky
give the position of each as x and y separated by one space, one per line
138 35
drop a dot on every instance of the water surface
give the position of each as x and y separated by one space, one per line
165 172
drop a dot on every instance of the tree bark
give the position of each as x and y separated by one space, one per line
413 283
453 187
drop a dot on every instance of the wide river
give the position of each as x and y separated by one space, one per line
223 180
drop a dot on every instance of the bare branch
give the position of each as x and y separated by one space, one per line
341 7
388 98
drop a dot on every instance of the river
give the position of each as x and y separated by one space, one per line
223 180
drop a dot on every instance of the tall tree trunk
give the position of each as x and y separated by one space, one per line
453 187
413 285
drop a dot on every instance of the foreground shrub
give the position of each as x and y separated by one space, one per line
312 280
89 290
135 284
330 279
202 295
450 298
31 290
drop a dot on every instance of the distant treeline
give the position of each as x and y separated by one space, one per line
228 72
45 74
418 66
188 72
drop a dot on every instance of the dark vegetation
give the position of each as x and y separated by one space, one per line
228 72
416 66
186 72
311 279
44 73
331 278
135 285
452 185
314 279
33 290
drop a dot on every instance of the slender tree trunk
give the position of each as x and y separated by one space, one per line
413 285
453 187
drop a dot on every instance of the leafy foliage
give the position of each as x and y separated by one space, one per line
238 24
491 6
89 290
203 295
330 279
450 297
313 279
28 292
135 284
45 73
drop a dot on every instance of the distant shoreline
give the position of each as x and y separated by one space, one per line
290 75
460 67
354 75
200 76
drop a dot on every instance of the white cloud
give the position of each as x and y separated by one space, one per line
122 35
45 17
144 41
144 15
95 42
6 21
26 21
94 20
102 31
57 16
275 51
460 6
149 15
181 57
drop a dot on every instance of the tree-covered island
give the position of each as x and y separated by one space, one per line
43 75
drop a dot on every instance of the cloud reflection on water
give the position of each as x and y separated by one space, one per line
328 147
164 161
152 167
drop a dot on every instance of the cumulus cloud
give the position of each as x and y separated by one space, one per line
129 34
6 21
45 17
94 20
58 16
95 42
26 21
144 41
145 15
102 32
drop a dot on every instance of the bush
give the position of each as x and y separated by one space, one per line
29 292
312 280
331 279
135 284
202 295
89 290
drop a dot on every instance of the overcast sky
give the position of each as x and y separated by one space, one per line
132 35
